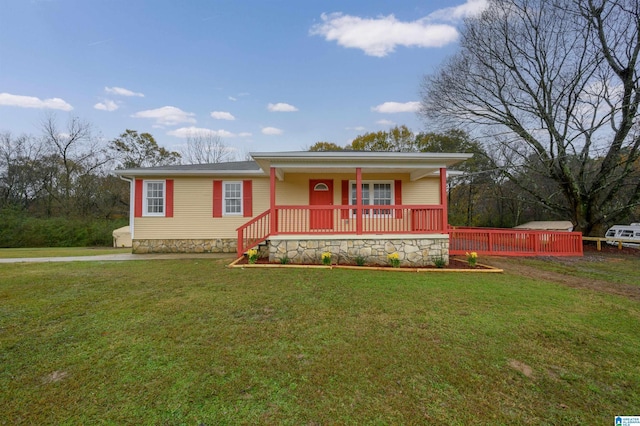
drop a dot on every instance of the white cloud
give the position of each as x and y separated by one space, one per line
357 128
271 131
231 98
167 115
385 122
468 9
222 115
281 107
394 107
185 132
245 134
380 36
33 102
122 92
107 105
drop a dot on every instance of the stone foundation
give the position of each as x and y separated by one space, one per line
412 251
228 245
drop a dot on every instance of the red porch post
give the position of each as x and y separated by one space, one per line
358 201
443 199
272 202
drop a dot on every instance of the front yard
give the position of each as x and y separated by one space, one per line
192 342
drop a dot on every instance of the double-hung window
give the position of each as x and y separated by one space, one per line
232 200
374 193
154 198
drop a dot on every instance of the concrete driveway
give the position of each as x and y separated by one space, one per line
119 257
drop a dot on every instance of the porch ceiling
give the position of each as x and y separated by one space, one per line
417 165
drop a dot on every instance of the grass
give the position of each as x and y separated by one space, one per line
605 267
119 343
6 253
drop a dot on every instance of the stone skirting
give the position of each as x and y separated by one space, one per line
228 245
412 250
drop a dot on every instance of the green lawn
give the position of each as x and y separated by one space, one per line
623 269
59 251
192 342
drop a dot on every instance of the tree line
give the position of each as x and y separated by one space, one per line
57 188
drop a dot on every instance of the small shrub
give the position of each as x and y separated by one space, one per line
285 260
360 260
439 262
394 259
326 258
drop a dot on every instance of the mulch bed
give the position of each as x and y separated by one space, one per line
454 263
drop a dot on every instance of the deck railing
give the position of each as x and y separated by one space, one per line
406 219
511 242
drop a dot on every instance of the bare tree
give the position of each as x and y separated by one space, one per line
75 150
556 81
205 148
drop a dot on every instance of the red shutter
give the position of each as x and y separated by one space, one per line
169 198
217 198
398 200
345 199
247 198
137 209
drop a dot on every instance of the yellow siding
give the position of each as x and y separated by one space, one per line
193 203
294 190
193 212
423 191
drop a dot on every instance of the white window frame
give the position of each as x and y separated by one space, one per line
224 198
352 201
145 198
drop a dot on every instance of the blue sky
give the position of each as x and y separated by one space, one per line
262 75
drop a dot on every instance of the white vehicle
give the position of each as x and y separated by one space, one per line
629 233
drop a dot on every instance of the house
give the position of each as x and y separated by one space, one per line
297 205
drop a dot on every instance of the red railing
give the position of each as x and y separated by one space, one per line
253 232
340 220
511 242
384 219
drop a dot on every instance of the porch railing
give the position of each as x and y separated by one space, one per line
376 219
253 232
511 242
335 220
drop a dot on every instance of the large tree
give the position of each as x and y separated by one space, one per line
132 149
556 81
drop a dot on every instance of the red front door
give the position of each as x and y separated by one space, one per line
321 194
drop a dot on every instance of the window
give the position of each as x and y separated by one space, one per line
232 198
154 198
374 193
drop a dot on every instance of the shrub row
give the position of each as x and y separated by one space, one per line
18 230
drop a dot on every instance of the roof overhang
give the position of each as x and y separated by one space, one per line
417 165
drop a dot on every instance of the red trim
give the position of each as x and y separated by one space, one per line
443 198
273 217
345 199
169 198
358 201
398 195
217 198
137 209
247 198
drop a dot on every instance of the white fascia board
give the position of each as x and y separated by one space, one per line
168 172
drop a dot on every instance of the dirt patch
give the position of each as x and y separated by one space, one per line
516 265
521 367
